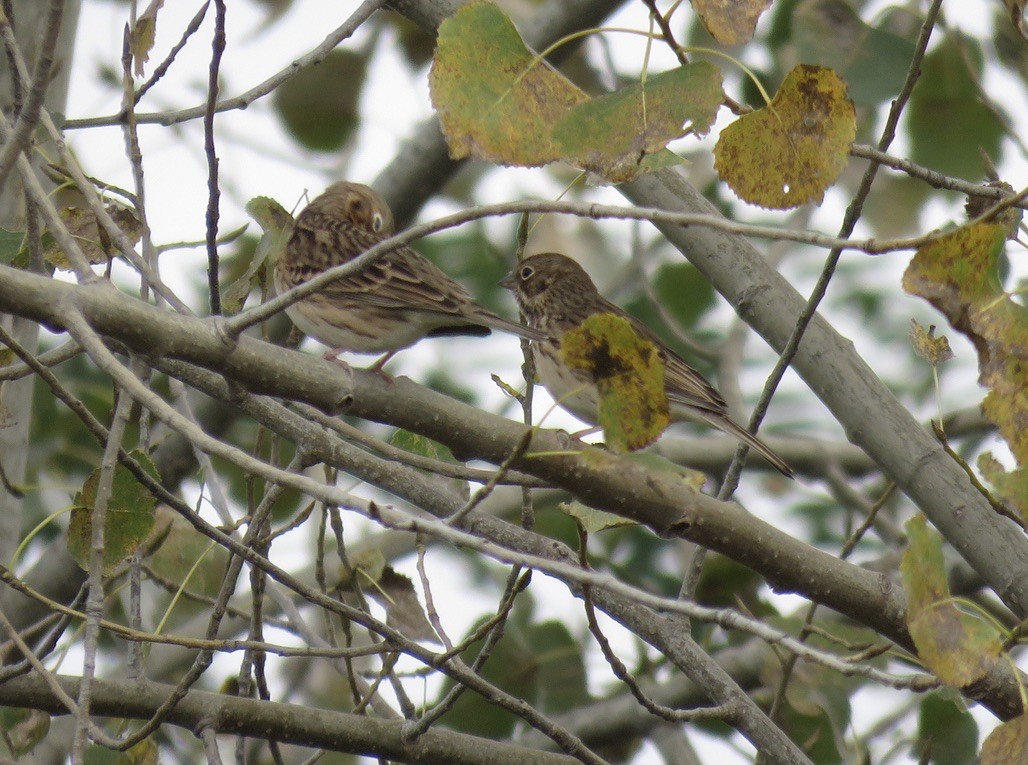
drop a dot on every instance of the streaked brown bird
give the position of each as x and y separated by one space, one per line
396 301
556 295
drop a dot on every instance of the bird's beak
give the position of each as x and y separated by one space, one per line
507 281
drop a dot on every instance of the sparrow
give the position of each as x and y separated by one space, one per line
393 303
556 295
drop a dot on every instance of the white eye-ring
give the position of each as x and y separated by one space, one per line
377 222
526 273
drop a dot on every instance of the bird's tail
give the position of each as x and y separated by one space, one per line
732 428
490 319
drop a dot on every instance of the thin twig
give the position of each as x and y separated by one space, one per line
213 189
30 110
852 215
331 41
237 324
161 69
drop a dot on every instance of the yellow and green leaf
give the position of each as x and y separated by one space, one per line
629 374
502 103
128 521
955 646
788 153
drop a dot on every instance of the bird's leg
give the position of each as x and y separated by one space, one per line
333 356
377 366
568 440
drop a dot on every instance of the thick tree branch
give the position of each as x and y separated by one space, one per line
286 723
600 479
872 416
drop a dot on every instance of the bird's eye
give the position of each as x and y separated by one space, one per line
526 273
376 222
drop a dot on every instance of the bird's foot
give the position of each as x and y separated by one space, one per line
376 368
333 356
578 435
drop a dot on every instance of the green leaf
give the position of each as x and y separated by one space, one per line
468 255
23 728
894 204
495 101
277 224
129 518
143 753
683 291
419 444
874 63
726 583
591 519
320 104
812 729
948 123
562 679
540 663
416 44
611 135
185 550
10 245
691 480
426 447
512 667
946 732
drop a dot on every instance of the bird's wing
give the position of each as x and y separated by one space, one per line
404 279
688 387
400 279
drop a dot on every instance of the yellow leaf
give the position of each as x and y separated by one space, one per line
934 350
789 152
629 374
92 238
1010 486
732 22
959 275
142 37
366 568
1007 744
